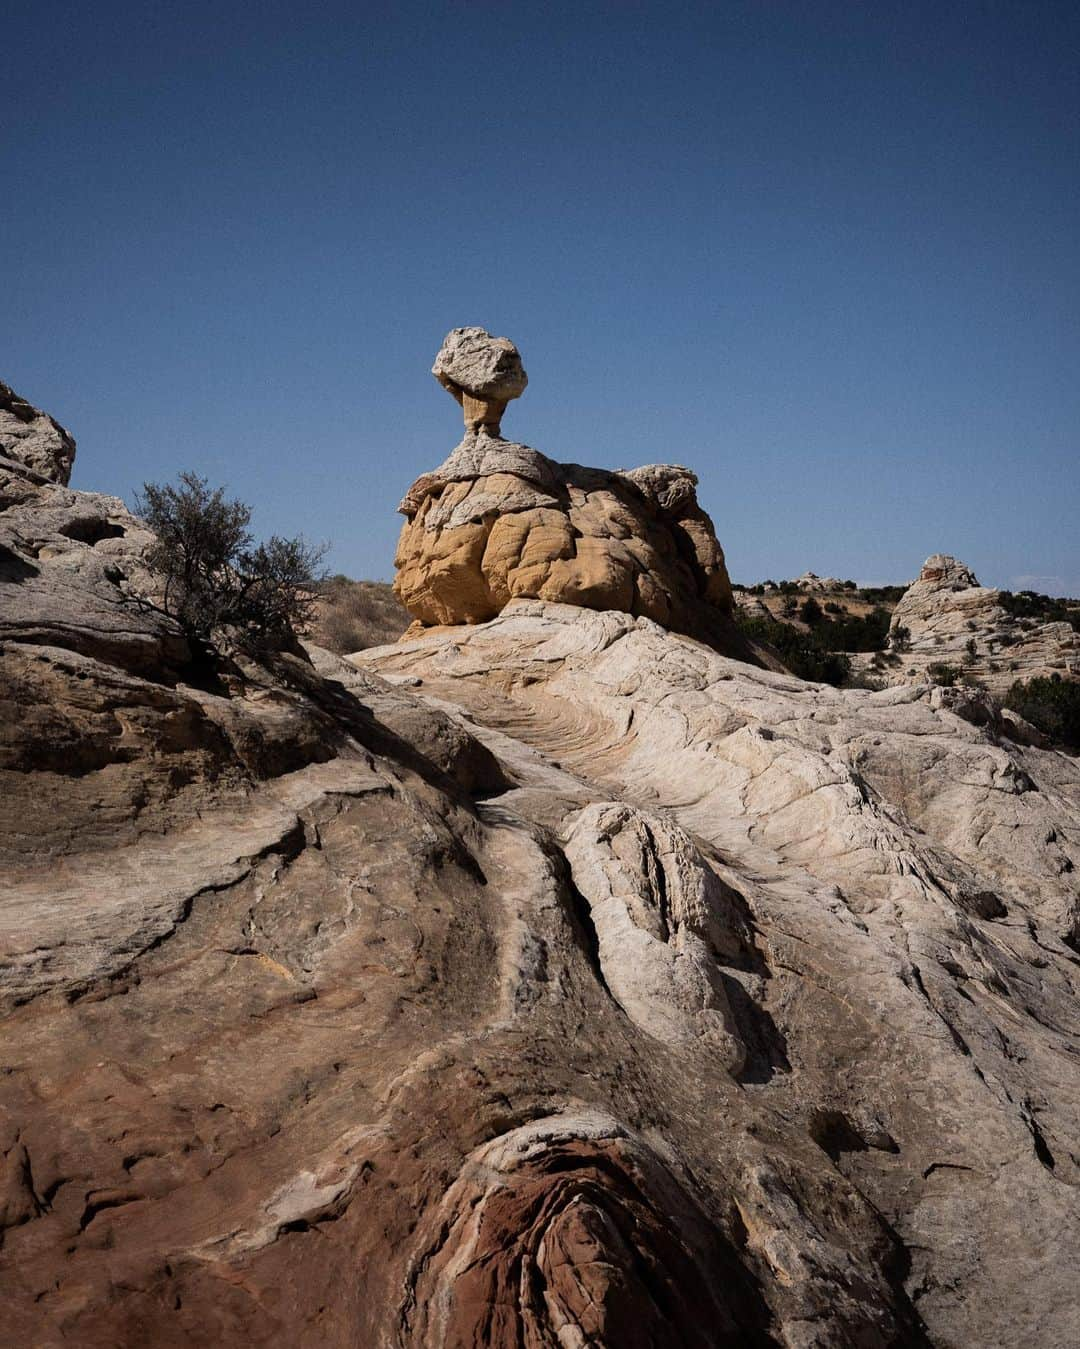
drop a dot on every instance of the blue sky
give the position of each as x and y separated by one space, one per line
828 255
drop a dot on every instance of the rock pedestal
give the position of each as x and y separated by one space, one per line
499 521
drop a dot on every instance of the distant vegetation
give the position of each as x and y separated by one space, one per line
943 674
1029 604
1052 705
800 651
819 653
217 583
882 594
351 615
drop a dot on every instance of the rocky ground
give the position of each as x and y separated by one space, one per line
553 980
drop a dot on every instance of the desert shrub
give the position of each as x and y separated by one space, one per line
216 581
798 650
1051 704
943 674
900 638
811 612
351 615
857 680
1031 605
971 651
867 632
831 607
882 594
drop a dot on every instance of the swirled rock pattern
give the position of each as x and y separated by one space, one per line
547 981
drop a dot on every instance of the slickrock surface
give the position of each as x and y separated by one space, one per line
945 608
548 981
893 914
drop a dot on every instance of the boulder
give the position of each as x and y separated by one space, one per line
483 373
500 521
33 440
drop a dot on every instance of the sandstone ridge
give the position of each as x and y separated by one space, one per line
952 620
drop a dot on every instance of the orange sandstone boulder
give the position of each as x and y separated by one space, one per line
499 521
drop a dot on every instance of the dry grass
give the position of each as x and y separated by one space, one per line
351 615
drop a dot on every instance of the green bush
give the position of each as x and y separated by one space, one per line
1052 705
217 582
811 612
943 674
799 650
882 594
1031 605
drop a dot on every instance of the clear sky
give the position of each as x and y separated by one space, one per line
827 255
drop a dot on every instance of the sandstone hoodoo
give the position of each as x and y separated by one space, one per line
482 373
499 521
547 980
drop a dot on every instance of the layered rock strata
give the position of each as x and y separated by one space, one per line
551 980
953 620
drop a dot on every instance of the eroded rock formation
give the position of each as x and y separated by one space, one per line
33 440
499 521
551 980
482 373
953 620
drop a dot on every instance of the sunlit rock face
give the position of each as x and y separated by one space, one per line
952 620
499 521
33 440
549 980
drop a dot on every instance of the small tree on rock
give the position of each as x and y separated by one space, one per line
216 579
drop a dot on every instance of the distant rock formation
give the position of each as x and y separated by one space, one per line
33 439
500 521
823 585
953 620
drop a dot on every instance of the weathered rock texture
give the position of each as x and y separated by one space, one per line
551 981
945 609
33 440
500 521
482 373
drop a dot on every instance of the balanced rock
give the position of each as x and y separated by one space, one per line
33 439
483 373
500 521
